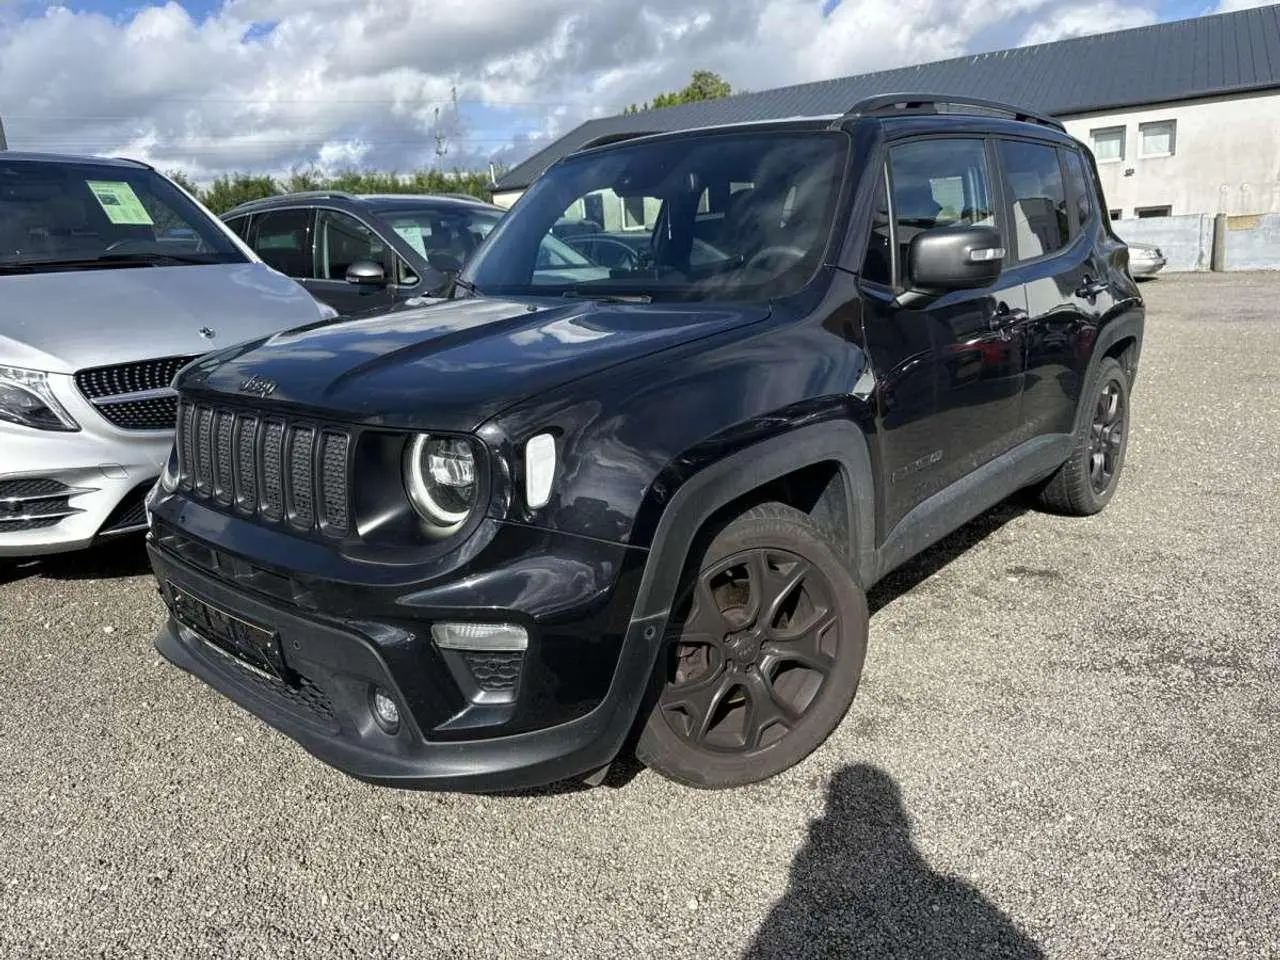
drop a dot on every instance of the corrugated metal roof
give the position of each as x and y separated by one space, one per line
1181 60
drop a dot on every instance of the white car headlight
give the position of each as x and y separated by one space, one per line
27 398
440 477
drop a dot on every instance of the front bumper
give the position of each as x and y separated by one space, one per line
580 685
104 467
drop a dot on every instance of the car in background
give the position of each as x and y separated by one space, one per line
362 252
1145 260
112 278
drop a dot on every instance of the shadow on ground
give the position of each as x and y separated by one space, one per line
123 556
860 889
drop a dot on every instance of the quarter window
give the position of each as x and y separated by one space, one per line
1157 139
1038 196
939 183
343 241
239 226
282 238
1107 144
1081 186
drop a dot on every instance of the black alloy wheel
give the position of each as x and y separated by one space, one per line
765 659
1086 482
1106 437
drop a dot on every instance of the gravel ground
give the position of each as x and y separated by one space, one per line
1067 744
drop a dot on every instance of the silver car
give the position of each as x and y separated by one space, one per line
111 279
1145 260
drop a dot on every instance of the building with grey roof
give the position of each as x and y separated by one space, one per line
1183 117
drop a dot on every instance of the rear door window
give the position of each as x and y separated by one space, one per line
1037 196
282 238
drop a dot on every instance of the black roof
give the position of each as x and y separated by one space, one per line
1182 60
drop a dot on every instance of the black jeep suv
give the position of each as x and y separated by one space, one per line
483 543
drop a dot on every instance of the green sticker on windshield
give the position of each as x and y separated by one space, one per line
120 203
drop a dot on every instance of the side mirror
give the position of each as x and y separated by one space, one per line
366 273
954 258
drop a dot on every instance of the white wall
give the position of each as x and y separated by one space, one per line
505 200
1226 158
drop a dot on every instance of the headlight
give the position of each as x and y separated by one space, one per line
27 398
440 477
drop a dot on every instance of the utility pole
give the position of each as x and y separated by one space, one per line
441 148
451 124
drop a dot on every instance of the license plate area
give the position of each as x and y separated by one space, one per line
249 645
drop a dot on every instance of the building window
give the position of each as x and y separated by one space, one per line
1107 144
1156 139
1165 211
1116 214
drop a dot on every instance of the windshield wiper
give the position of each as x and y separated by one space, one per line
456 283
134 256
121 259
607 297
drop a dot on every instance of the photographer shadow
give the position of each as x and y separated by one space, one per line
859 888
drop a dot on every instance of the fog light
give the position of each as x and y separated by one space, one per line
489 637
384 710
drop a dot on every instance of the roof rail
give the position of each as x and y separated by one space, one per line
317 195
891 103
615 138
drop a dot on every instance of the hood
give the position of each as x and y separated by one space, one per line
63 322
454 364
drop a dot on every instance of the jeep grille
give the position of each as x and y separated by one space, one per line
280 470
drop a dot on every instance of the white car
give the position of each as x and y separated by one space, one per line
111 279
1145 260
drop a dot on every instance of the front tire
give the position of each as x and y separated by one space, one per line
1085 484
762 657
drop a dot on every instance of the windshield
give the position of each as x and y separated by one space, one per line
457 232
70 214
724 217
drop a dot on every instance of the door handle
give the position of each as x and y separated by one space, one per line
1090 288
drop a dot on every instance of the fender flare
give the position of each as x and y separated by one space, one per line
1131 322
838 441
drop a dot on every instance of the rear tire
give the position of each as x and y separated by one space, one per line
1085 484
762 656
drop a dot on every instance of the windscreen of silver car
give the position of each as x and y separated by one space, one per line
26 398
81 214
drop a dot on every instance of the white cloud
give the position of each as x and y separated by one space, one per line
277 84
1086 19
1227 6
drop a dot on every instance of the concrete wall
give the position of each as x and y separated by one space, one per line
1226 157
1249 243
1187 242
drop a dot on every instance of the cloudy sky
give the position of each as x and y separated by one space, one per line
273 85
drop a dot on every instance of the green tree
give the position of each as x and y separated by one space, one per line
181 179
704 85
233 189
